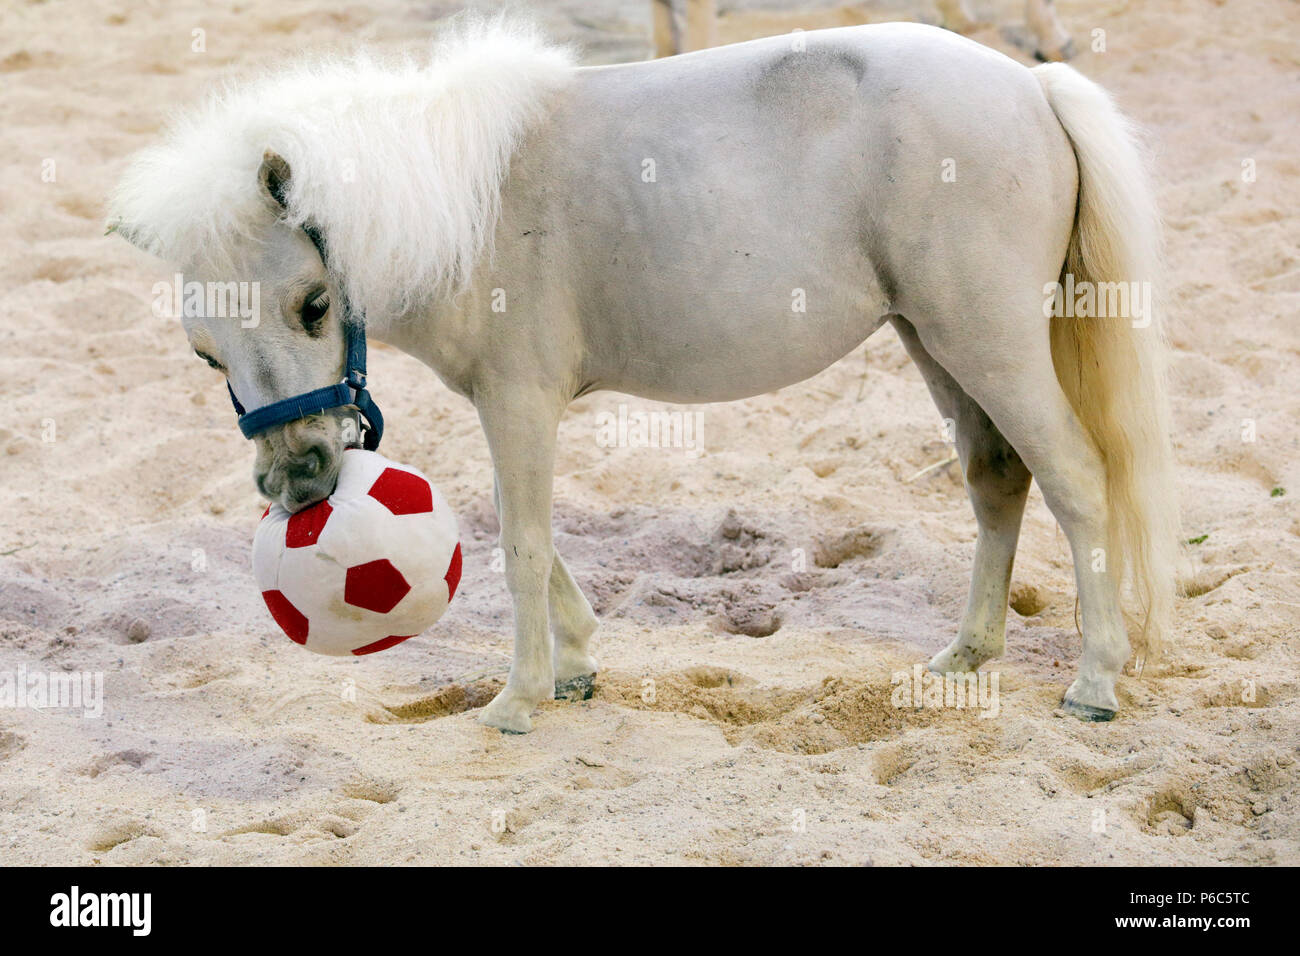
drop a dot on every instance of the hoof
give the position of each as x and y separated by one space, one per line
1087 711
960 658
508 713
516 726
946 663
580 687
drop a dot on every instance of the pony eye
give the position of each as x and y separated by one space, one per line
212 363
313 311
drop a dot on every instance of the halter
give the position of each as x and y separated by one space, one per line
350 391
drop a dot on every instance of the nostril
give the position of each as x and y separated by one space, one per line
310 464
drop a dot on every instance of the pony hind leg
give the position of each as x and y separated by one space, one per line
997 483
1000 354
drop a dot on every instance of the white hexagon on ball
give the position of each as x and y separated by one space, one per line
375 563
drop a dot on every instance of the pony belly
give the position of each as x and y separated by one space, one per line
768 357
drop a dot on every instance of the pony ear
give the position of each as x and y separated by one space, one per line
138 237
274 176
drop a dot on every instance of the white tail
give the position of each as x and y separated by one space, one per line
1113 368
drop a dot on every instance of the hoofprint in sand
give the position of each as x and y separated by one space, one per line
745 711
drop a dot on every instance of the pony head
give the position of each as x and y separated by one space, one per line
396 166
263 310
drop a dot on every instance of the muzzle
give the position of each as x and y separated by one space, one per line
350 391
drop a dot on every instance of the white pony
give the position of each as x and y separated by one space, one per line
644 228
680 26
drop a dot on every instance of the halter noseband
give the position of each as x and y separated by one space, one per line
350 391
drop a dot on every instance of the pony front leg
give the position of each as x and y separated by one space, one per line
521 439
573 622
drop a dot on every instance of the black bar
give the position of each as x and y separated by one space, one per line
300 905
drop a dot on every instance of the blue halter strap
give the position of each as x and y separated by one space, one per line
351 391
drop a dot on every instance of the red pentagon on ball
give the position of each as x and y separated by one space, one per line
292 621
402 493
305 527
452 577
382 644
376 586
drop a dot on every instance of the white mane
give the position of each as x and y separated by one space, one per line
398 164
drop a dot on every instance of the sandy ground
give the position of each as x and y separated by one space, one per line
127 510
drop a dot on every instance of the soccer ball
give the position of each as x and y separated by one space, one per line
373 564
